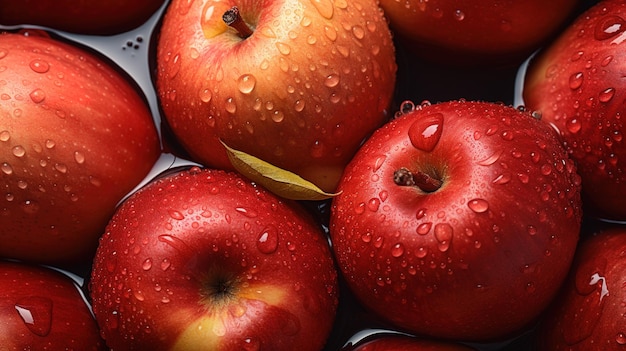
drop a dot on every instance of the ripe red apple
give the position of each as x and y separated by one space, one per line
589 312
468 32
41 309
205 260
82 17
75 137
577 85
302 91
405 343
458 220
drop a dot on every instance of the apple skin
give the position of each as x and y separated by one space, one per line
205 260
477 259
406 343
301 93
75 138
467 32
577 85
81 17
61 319
588 313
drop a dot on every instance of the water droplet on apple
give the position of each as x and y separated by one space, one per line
424 228
373 204
267 242
358 32
330 32
79 157
246 83
36 313
491 159
609 27
283 48
425 132
39 66
478 205
324 7
397 250
250 344
606 95
443 233
165 264
6 168
573 125
503 178
37 96
177 215
459 15
332 80
18 151
5 135
205 95
576 80
147 264
620 338
174 66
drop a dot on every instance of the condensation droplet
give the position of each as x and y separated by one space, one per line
443 233
606 95
18 151
37 96
332 80
608 27
478 205
425 132
79 157
397 250
246 83
324 7
576 80
36 313
5 135
39 66
205 95
147 264
267 242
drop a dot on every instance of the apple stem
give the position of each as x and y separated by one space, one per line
422 180
233 18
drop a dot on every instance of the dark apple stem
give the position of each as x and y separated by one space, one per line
232 18
424 181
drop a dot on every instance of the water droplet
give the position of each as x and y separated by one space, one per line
503 178
324 7
331 33
79 157
50 144
576 80
3 53
246 83
37 96
299 106
18 151
459 15
491 159
397 250
250 344
165 264
60 167
332 80
606 95
573 125
425 132
443 234
138 294
358 32
608 27
147 264
478 205
39 66
230 106
177 215
424 228
620 338
205 95
174 66
283 48
6 168
5 135
267 241
36 313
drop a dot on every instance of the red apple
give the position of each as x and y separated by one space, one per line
75 138
301 92
589 312
41 309
458 220
83 17
469 32
406 343
205 260
577 84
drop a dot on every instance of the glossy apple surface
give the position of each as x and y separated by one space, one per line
577 85
75 137
467 32
204 260
458 220
589 312
82 17
41 309
311 82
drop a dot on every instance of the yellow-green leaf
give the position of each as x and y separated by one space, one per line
281 182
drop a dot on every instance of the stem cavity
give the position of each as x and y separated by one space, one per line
422 180
233 18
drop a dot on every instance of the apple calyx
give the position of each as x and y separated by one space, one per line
422 180
220 289
233 19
